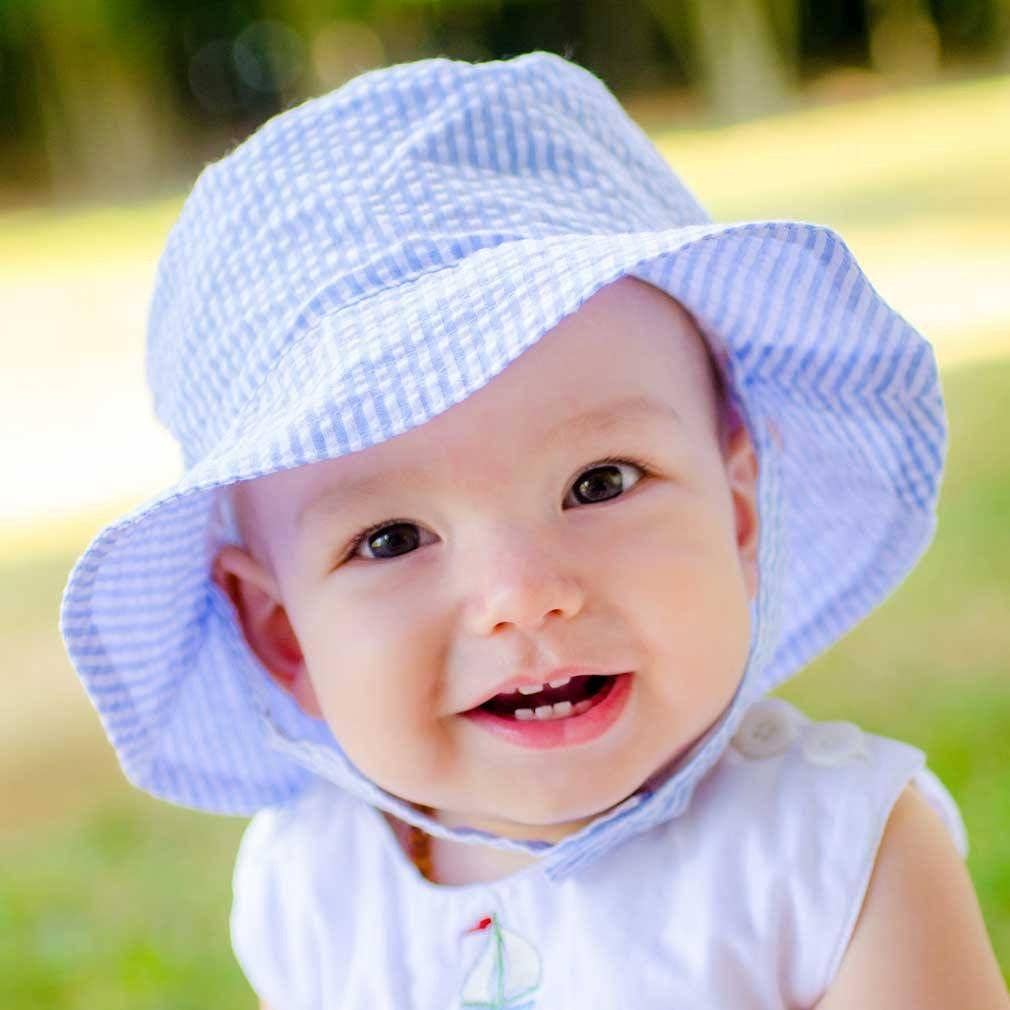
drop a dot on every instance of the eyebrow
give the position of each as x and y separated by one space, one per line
616 414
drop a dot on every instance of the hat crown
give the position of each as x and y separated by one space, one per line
400 172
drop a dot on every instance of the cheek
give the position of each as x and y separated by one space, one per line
374 690
679 581
371 662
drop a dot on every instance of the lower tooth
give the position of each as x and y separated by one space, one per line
543 713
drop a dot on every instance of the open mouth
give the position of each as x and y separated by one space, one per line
574 713
579 695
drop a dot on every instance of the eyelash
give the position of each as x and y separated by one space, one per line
364 534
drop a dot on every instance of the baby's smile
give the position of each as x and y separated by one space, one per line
577 712
557 699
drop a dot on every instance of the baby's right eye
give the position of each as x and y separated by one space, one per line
390 540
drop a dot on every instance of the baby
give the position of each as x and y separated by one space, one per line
512 485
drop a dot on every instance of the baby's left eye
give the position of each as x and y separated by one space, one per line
605 481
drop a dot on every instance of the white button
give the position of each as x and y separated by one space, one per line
767 729
833 743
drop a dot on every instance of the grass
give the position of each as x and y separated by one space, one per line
872 162
125 908
43 238
111 899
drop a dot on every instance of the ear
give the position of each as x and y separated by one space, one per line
257 600
742 472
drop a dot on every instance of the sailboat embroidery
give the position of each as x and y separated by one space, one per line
506 971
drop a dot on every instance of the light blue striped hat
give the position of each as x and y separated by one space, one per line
370 258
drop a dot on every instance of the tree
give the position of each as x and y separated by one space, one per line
741 52
107 123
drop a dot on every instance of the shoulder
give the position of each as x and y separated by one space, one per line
919 891
287 851
285 875
808 783
793 820
828 778
320 809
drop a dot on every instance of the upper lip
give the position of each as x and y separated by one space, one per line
540 678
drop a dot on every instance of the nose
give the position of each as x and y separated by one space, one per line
518 582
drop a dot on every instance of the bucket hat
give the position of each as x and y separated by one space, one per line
369 258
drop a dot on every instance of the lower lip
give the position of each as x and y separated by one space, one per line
541 734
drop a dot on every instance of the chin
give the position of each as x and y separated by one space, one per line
557 812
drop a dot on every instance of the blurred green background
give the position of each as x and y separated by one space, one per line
888 120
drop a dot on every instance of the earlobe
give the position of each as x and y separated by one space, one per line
265 624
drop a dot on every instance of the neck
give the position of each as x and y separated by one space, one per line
463 863
445 861
511 829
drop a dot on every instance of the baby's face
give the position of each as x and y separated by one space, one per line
510 537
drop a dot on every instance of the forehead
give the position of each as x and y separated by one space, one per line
614 416
630 356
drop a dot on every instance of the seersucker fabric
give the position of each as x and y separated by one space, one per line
373 256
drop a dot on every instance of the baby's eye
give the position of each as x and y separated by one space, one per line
389 541
602 482
605 480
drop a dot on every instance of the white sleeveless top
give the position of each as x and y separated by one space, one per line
747 900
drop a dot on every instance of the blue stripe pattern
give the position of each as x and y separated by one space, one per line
370 258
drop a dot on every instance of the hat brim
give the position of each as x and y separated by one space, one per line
840 394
